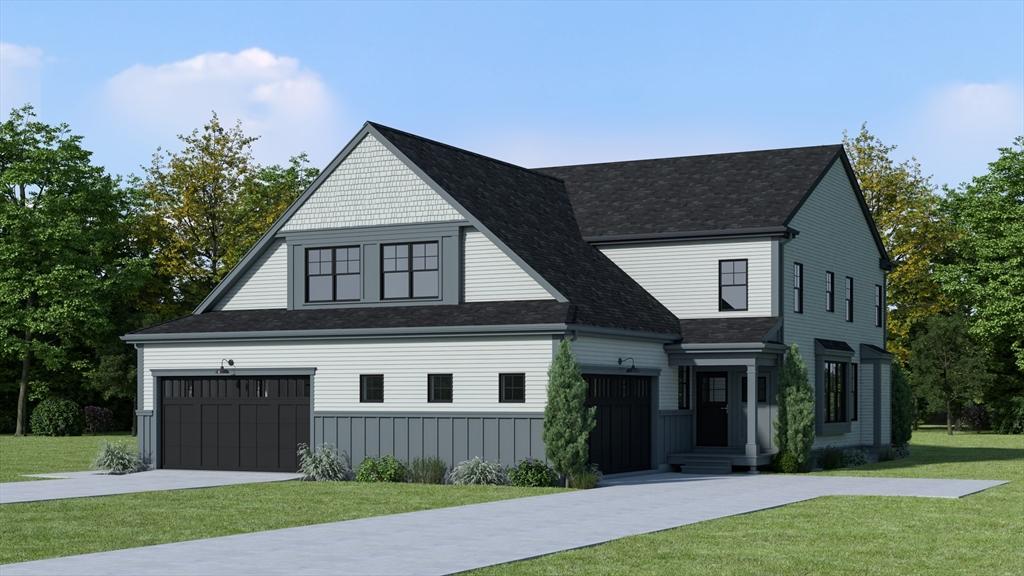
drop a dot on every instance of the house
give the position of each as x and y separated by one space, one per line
411 300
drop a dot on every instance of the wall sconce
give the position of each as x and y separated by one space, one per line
632 363
222 369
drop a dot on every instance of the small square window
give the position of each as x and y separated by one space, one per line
439 387
511 387
371 388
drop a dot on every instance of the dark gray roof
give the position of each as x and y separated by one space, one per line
532 215
836 345
470 314
739 191
725 330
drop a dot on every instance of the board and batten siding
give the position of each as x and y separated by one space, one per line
684 275
371 187
474 362
490 275
264 285
604 352
835 236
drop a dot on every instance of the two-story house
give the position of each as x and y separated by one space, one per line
411 300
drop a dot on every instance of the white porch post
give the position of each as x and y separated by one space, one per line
751 448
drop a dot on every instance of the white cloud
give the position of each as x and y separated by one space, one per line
20 81
275 97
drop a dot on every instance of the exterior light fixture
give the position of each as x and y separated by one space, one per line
632 363
222 369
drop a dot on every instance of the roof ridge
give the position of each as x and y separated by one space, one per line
465 151
663 158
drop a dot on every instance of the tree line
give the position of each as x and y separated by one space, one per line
86 257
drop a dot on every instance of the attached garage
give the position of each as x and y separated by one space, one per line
233 422
621 441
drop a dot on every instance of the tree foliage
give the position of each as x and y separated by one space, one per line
794 428
903 413
567 419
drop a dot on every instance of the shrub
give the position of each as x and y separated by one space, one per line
532 473
427 471
886 453
901 451
118 458
567 419
904 411
477 471
585 479
98 419
1008 417
56 417
794 428
324 464
787 462
830 458
384 469
854 457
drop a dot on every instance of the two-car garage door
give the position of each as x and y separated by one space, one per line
233 422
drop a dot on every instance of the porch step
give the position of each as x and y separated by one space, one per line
691 463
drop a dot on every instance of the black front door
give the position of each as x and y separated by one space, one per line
712 409
621 441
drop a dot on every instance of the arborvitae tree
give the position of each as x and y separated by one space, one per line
794 430
567 419
902 407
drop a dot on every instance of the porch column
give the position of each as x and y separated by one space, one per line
752 449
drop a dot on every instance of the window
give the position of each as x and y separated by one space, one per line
855 375
830 292
684 388
879 298
410 270
798 287
371 387
732 285
439 387
333 274
849 299
511 387
762 389
835 391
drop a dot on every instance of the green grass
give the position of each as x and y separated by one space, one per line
42 454
979 534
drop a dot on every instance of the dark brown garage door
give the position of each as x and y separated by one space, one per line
621 441
233 423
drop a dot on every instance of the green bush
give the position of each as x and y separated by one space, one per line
787 463
477 471
886 454
532 473
830 458
1008 417
903 409
384 469
56 417
585 479
118 458
854 457
427 471
794 427
324 464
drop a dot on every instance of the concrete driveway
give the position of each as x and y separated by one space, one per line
450 540
84 484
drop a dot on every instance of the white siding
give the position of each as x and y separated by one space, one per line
264 284
491 275
834 236
371 187
474 363
597 351
684 276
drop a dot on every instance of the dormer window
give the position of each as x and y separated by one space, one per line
333 274
410 271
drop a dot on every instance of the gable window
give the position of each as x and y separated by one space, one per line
798 287
333 274
855 376
835 392
830 292
371 387
512 387
849 299
410 271
762 389
732 285
683 390
439 387
879 298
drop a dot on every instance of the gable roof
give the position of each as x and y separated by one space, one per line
530 213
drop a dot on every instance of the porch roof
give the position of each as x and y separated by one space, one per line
729 330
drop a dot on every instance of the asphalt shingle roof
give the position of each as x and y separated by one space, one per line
722 330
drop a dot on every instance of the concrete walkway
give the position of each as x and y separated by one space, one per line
449 540
84 484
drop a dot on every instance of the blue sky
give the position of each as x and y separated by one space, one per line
531 83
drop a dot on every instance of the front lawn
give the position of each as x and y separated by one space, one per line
42 454
979 534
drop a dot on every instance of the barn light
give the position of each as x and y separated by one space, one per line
632 363
222 369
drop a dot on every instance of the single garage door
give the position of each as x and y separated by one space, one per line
233 423
621 441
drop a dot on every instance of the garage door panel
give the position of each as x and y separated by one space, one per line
621 440
266 437
227 434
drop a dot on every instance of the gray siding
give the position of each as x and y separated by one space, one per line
147 436
674 433
505 438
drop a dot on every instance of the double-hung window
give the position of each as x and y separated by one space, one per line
333 274
830 292
410 271
855 389
849 299
798 287
835 392
732 285
879 302
683 391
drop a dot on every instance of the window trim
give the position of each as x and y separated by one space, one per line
683 388
502 396
364 383
879 302
746 285
431 386
798 287
333 273
849 299
830 291
410 272
762 393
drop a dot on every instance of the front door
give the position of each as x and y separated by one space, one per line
712 409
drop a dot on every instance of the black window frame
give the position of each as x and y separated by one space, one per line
334 272
683 388
507 380
798 287
879 303
446 383
745 284
410 270
835 390
830 291
365 382
855 389
849 299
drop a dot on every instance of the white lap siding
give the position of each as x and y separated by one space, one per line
474 363
264 285
490 275
604 352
